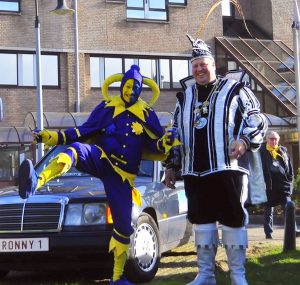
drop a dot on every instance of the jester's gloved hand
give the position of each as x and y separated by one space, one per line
169 136
168 140
49 138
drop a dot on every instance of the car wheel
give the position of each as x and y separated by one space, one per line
144 253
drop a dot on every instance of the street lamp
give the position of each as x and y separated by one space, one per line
296 28
39 91
62 9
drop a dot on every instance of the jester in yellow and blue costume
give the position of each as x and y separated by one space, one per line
119 132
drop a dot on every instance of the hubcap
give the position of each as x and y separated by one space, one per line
145 247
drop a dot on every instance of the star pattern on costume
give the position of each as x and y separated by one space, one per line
137 128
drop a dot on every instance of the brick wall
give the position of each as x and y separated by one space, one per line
103 28
283 14
262 16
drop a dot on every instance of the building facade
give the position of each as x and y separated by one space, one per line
108 42
112 35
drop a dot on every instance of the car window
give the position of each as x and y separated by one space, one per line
145 170
51 154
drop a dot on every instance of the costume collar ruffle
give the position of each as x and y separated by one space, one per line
136 109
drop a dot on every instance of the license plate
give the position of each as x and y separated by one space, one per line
24 244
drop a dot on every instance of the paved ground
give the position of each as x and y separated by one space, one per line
185 262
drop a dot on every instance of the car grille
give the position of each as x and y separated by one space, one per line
31 217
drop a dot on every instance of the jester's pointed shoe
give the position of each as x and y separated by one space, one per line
28 179
121 281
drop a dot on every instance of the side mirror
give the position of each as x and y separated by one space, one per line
1 110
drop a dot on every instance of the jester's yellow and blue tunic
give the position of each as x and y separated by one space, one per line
119 132
120 138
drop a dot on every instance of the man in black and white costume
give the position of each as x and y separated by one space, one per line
218 122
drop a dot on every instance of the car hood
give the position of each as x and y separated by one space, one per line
69 187
86 187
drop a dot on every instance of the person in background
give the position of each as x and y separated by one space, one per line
119 132
218 121
278 175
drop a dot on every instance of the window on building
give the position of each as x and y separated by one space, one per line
147 9
232 65
112 66
10 6
258 87
180 69
130 61
252 84
227 8
148 68
8 69
26 69
95 71
101 68
49 70
165 79
166 72
9 161
178 2
19 69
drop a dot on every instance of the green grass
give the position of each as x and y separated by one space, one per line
266 264
272 266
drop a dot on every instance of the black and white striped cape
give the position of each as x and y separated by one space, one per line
233 111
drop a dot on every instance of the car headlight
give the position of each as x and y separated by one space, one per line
73 217
94 214
86 214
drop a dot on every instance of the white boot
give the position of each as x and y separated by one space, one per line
235 242
206 240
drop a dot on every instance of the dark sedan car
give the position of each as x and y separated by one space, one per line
67 224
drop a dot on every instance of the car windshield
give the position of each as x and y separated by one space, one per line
51 154
145 170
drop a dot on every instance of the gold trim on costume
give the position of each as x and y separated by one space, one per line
118 159
75 154
124 175
64 137
77 132
119 234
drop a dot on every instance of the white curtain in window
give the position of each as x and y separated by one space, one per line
8 69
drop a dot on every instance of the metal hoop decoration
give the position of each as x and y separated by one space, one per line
119 76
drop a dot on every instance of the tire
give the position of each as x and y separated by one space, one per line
144 252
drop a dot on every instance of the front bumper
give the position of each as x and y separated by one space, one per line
67 250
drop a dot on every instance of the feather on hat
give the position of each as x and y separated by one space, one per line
200 49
